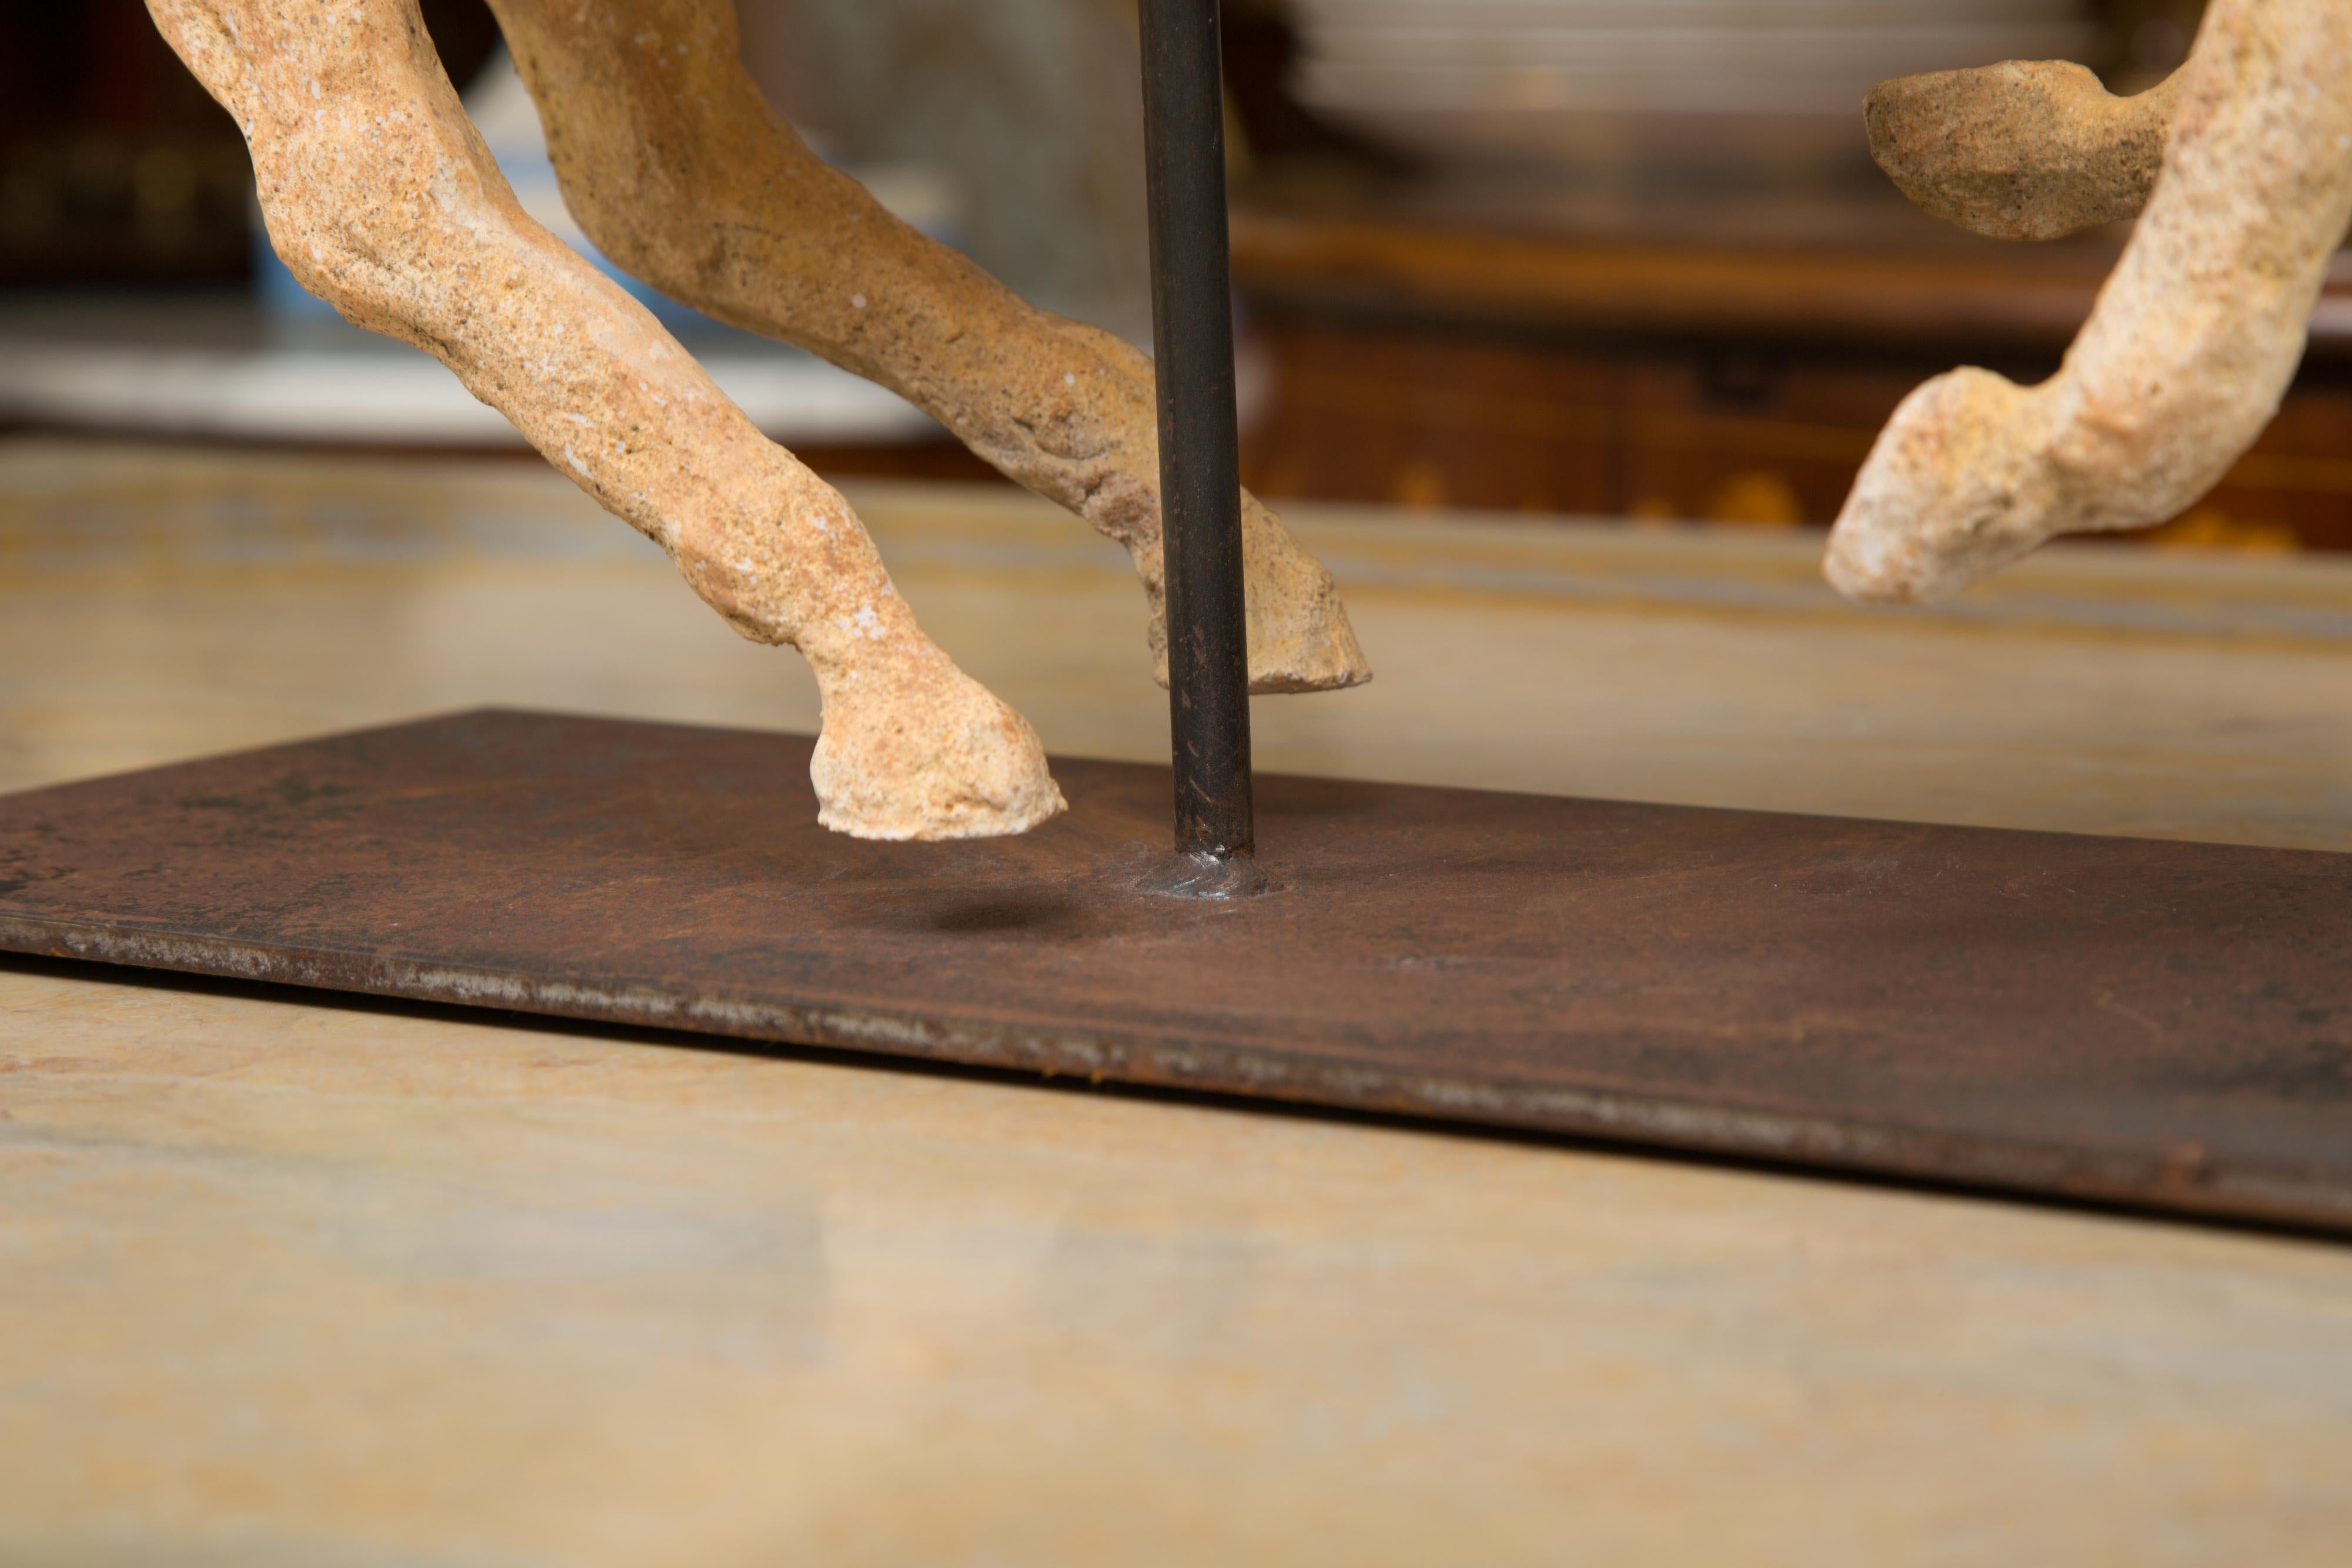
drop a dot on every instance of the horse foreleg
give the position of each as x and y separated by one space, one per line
382 199
2183 361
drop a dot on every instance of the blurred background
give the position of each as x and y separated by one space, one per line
1620 258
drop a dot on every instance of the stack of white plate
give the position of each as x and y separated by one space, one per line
1616 82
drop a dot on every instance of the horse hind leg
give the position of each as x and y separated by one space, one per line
679 170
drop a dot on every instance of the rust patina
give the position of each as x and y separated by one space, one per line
2157 1024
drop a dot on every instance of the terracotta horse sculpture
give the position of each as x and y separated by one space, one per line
382 200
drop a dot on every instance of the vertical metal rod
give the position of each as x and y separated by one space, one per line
1200 443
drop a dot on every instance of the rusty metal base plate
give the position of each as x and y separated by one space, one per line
2157 1024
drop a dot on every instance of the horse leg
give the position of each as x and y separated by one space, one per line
2023 149
2185 358
679 170
382 200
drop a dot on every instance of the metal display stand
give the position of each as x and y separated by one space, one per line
2152 1024
1199 450
2122 1019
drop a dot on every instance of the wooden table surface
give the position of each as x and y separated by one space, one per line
289 1280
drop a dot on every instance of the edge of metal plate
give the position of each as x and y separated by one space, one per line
1052 1036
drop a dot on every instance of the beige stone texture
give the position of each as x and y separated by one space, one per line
681 172
2185 358
2024 150
382 200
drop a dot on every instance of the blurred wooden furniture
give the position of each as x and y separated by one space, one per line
289 1280
1727 356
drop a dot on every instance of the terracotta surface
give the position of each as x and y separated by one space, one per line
2024 150
384 202
677 167
2193 343
292 1283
